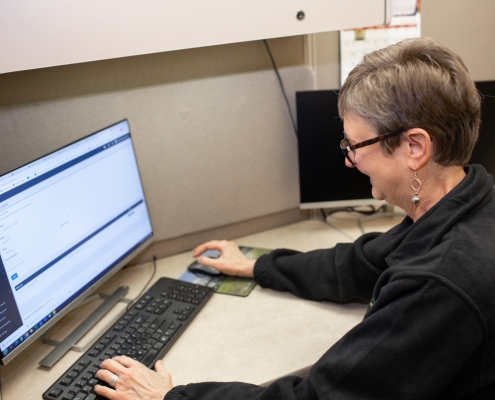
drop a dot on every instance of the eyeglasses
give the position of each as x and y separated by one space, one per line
349 149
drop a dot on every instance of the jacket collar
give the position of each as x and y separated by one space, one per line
473 192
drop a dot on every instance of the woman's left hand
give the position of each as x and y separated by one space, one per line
135 381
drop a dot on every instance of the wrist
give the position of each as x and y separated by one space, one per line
248 270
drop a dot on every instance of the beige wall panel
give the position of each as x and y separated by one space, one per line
213 151
146 70
328 60
466 27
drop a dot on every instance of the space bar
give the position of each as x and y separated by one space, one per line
150 356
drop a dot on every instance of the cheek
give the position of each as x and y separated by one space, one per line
369 169
380 178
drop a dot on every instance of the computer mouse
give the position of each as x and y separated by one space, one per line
196 267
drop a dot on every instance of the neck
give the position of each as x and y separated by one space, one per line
436 181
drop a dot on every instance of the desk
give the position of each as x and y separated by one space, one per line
252 339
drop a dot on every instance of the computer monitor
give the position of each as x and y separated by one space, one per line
484 151
68 221
325 181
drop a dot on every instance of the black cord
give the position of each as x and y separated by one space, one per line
333 226
281 86
372 210
145 286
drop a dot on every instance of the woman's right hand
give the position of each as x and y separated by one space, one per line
231 261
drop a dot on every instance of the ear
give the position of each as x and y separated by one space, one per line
418 148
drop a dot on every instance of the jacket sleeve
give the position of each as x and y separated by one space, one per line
346 272
403 349
287 388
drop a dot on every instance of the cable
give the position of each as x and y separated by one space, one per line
360 225
355 209
383 211
333 226
370 213
282 87
145 286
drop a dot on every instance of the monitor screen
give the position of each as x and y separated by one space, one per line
484 151
68 221
325 181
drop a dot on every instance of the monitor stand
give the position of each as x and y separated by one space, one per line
70 341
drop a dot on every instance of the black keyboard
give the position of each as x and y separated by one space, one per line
145 333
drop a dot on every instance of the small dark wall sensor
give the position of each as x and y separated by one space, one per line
300 15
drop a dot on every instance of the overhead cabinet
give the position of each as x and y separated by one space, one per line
38 34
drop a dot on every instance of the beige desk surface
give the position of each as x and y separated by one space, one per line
252 339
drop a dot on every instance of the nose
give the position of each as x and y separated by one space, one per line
348 164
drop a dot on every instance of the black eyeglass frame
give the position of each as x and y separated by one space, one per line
346 146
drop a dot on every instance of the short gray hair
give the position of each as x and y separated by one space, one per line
416 83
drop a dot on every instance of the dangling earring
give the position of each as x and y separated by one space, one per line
416 186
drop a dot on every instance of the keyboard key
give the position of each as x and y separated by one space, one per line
55 393
84 363
86 389
71 375
175 325
78 369
149 357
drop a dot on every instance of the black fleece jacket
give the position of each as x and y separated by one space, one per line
429 332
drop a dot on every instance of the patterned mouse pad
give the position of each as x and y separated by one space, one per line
223 284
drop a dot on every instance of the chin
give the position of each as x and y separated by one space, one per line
377 194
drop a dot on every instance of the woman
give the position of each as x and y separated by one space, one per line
411 116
